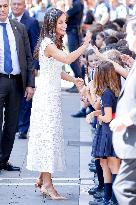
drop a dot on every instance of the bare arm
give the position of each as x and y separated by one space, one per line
67 77
91 115
52 51
104 19
92 97
119 69
77 81
108 115
59 55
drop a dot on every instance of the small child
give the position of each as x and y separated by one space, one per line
100 40
107 86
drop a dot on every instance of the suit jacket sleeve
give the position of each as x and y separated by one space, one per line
131 90
30 81
132 116
77 6
34 32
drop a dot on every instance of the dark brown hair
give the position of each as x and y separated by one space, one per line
49 29
106 77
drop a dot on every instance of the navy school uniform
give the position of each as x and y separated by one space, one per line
102 143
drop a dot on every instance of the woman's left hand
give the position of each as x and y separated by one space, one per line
79 82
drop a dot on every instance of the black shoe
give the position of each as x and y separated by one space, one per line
91 164
9 167
103 201
112 203
94 203
95 190
79 114
100 202
72 90
98 195
92 168
22 136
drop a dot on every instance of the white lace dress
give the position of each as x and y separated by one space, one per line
46 144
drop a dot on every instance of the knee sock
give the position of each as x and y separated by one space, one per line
83 109
99 173
107 191
113 198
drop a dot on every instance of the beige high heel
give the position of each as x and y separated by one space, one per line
51 193
38 184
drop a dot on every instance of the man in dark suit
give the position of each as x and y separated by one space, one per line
16 78
124 127
75 14
18 8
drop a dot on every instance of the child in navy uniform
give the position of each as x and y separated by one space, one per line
107 86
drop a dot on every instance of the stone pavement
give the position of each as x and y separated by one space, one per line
17 188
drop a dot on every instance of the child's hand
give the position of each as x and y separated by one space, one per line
127 59
100 119
100 55
84 99
79 83
89 117
87 91
83 91
87 38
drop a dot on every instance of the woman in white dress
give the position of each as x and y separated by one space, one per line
45 146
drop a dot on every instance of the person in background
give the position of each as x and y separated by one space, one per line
16 80
88 18
99 42
39 14
101 12
131 7
117 10
32 26
124 130
74 14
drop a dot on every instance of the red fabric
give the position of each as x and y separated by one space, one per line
113 115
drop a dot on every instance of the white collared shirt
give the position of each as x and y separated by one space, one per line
18 17
118 12
100 11
12 43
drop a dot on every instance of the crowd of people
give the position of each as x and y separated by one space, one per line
101 38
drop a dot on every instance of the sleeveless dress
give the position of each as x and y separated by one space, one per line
46 143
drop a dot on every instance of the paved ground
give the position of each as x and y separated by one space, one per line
18 188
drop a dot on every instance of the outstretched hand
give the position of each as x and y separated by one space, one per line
127 59
79 82
87 38
97 52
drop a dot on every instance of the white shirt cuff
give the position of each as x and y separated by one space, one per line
127 121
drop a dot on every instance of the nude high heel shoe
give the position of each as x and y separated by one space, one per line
51 193
38 184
